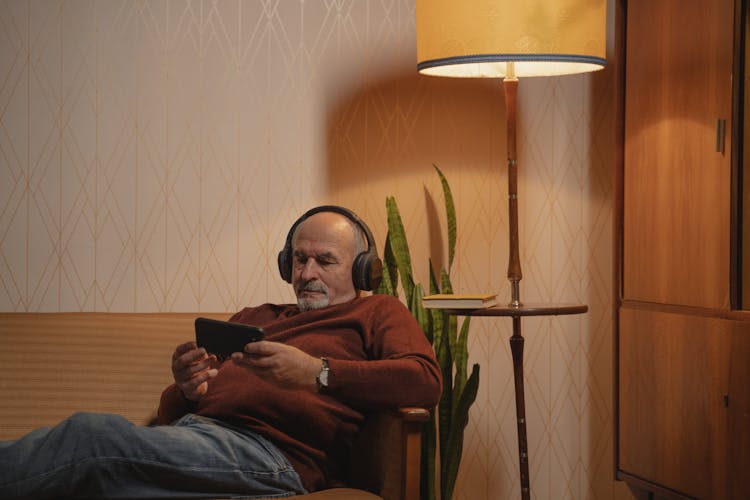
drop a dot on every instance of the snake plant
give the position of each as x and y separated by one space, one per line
442 439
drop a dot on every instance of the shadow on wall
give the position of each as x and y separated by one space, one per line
384 137
388 128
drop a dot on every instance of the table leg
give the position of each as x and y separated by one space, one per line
516 348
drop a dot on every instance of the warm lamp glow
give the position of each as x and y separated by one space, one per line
477 38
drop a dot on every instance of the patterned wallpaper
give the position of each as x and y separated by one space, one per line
154 153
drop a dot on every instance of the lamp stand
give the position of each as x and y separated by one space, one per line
510 86
515 309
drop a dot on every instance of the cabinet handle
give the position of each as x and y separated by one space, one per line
721 128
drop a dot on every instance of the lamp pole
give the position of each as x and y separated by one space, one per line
510 86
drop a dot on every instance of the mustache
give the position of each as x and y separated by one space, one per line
313 286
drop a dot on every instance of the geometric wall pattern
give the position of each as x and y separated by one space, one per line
153 155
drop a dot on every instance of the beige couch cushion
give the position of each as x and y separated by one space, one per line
54 364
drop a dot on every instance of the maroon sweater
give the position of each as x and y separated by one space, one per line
378 357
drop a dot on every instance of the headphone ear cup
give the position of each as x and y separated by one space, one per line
376 272
367 271
360 271
285 265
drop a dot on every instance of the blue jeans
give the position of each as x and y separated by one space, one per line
91 455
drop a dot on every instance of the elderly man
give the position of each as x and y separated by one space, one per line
274 420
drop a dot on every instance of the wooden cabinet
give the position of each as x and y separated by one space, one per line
683 382
678 83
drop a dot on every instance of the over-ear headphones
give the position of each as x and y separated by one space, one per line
367 268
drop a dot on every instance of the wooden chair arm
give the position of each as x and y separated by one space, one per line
413 419
386 455
414 413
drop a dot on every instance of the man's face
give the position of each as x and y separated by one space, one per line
323 250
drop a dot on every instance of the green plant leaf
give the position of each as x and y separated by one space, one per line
443 436
383 287
461 359
389 284
451 458
400 247
445 281
419 312
450 216
445 405
386 285
434 285
452 319
437 315
427 463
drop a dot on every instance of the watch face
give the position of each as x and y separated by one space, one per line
323 375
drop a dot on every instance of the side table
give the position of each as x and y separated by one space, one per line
516 346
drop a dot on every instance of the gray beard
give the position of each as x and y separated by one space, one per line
307 304
310 304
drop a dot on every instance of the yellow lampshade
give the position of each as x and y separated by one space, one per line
477 38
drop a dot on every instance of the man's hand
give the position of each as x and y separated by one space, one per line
192 369
280 364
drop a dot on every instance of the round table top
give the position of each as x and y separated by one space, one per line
522 310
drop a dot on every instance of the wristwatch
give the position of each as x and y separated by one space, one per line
322 378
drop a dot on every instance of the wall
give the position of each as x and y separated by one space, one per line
153 155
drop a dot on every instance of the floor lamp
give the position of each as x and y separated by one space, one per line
510 39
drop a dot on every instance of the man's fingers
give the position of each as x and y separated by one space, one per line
187 371
197 385
262 348
183 348
201 377
188 358
192 368
259 362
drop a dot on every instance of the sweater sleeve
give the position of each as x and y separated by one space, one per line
173 405
402 369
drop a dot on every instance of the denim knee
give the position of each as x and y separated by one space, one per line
90 420
94 424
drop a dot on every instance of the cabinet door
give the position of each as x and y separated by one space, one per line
672 416
738 428
676 186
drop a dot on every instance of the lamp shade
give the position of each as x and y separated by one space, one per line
477 38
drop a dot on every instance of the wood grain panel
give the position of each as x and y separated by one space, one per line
55 364
672 379
738 428
676 187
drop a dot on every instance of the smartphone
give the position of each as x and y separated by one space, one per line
222 338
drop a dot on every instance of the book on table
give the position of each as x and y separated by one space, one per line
459 300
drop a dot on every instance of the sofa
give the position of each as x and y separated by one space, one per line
55 364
